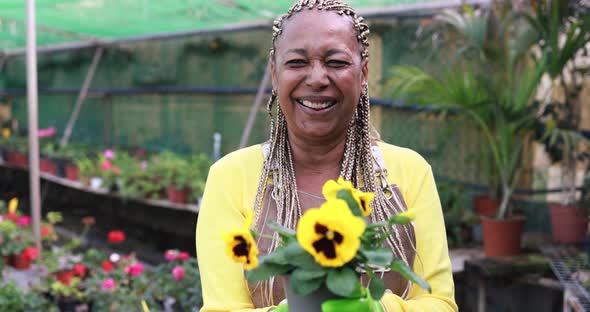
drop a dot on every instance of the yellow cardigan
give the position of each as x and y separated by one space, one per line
229 194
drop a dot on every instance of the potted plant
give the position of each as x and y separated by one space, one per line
490 81
175 283
48 153
13 298
17 151
176 176
198 169
310 277
564 31
66 157
87 167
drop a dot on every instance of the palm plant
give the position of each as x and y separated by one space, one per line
563 29
490 80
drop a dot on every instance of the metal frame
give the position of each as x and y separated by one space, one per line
82 96
400 10
564 265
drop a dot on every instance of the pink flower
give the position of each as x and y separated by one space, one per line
106 165
109 154
47 132
183 255
178 272
23 221
134 269
108 284
143 165
171 254
140 152
1 218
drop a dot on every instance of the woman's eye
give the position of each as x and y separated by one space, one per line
296 63
337 63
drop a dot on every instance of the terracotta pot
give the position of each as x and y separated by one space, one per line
65 276
22 262
48 166
485 205
17 159
9 260
72 172
177 196
502 237
568 223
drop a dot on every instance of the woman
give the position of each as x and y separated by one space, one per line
319 67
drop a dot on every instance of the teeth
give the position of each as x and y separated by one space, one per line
314 105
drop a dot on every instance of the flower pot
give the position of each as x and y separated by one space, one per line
17 158
65 276
9 260
72 172
308 303
73 305
568 223
60 164
484 205
47 165
22 262
502 237
177 196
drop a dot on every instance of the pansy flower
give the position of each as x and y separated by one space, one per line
240 245
363 200
331 233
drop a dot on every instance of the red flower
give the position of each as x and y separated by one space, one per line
116 170
45 231
134 269
79 270
11 216
107 266
116 237
183 255
106 165
88 220
30 253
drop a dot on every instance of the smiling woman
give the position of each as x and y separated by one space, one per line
320 132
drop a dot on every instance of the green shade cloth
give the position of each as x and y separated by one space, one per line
66 21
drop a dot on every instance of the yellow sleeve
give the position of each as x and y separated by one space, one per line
223 283
432 262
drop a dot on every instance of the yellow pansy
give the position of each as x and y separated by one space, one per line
241 246
12 205
331 233
331 189
6 133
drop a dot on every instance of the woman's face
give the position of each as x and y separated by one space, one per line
318 74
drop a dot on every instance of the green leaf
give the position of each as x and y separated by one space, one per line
380 257
352 204
402 268
298 257
304 282
397 219
286 233
377 288
265 271
342 282
277 257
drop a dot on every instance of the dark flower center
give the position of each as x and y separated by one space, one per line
327 243
242 248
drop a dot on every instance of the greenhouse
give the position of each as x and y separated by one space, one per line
126 123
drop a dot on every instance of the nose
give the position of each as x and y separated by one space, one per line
317 77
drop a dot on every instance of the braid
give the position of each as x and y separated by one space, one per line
357 164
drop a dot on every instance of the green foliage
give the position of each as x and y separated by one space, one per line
14 299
